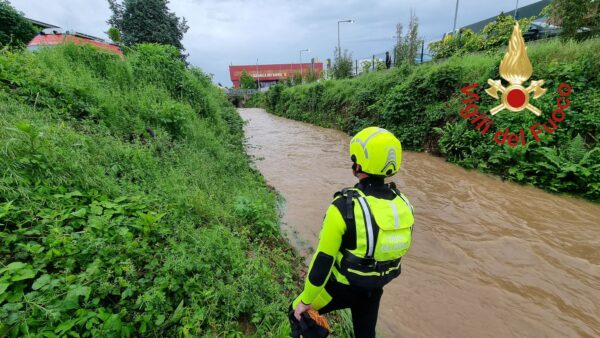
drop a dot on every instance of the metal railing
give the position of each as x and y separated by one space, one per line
240 92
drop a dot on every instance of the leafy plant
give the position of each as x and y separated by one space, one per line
247 81
15 29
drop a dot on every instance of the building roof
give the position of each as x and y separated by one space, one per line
42 24
523 12
57 39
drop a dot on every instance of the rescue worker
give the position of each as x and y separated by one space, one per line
366 231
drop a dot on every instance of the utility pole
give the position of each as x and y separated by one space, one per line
373 62
516 9
257 76
455 16
422 49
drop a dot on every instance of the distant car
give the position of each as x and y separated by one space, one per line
541 30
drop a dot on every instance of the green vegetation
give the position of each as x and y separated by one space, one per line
247 81
14 28
494 35
407 47
421 105
114 34
573 15
105 232
146 21
342 64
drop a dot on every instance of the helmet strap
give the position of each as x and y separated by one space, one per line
356 169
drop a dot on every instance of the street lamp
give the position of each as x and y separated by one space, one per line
455 15
302 50
339 47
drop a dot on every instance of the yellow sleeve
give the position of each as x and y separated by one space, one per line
319 270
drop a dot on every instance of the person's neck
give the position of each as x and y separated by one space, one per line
367 180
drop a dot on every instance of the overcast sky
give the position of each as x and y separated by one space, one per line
273 31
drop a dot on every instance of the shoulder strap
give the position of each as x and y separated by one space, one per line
349 193
392 186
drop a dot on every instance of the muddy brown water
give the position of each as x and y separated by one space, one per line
489 258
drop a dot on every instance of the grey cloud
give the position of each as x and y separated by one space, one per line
240 31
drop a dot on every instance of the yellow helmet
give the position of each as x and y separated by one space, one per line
377 151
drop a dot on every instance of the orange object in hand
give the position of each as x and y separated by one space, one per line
319 319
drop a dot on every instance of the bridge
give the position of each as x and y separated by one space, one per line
239 96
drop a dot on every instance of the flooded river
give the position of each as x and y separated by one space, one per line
489 258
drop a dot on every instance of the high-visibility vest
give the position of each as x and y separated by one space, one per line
383 236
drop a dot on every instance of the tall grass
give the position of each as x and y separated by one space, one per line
107 230
421 105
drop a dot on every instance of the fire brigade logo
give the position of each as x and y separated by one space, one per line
516 69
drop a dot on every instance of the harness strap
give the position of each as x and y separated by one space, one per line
350 194
379 266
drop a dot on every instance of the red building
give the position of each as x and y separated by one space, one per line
267 75
52 36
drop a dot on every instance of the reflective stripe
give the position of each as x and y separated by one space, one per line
360 273
370 244
392 269
407 204
395 211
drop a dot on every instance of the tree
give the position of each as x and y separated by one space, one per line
413 42
572 15
141 21
407 47
494 35
465 41
247 81
497 33
114 34
14 27
342 67
399 47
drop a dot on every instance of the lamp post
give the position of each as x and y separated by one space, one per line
339 47
302 50
455 15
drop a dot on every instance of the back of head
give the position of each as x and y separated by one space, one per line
377 151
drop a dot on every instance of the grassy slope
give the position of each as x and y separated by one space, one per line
175 235
421 105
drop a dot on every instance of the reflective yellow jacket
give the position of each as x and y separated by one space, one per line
372 229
